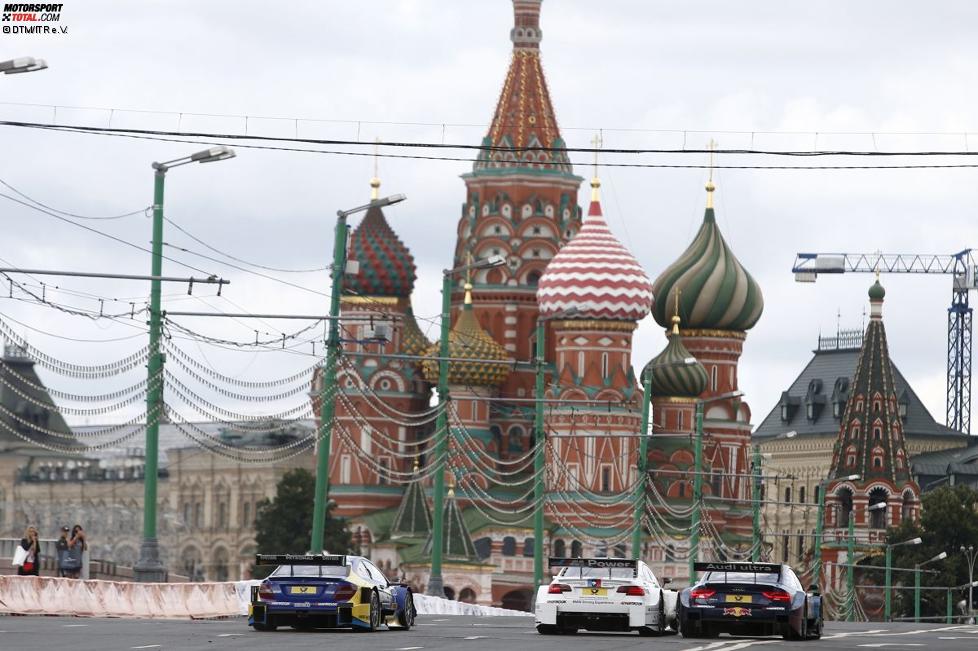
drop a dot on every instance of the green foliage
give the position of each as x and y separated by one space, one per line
284 524
948 521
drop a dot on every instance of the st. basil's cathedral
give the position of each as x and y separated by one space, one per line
568 269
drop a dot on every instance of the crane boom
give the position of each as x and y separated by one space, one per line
962 266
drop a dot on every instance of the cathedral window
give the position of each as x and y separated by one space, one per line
713 375
859 405
877 433
801 494
533 278
535 253
345 469
854 432
605 479
877 462
536 230
604 365
577 549
509 546
560 548
497 230
787 495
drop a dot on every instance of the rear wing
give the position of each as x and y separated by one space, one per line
745 568
299 559
596 563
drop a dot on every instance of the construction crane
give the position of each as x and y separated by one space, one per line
961 266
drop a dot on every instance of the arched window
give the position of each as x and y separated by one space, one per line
528 547
604 365
533 278
877 433
509 546
560 548
787 495
801 494
516 439
577 549
483 547
713 377
906 508
845 506
877 516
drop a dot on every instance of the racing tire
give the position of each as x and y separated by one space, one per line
662 614
406 617
547 629
647 631
815 629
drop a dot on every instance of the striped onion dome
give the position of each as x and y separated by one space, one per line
715 291
468 341
386 265
593 276
413 341
670 375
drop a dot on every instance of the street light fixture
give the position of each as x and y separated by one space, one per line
149 567
436 586
969 555
916 583
327 406
23 64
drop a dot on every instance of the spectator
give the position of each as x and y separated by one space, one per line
32 560
62 547
75 555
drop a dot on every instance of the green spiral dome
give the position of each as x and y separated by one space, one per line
716 292
670 375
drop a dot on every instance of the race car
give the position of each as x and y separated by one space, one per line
604 594
749 599
324 591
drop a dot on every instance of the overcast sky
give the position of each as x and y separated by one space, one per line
642 72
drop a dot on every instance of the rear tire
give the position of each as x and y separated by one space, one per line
375 616
647 631
264 628
662 614
547 629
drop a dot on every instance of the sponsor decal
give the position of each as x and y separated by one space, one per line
737 611
594 583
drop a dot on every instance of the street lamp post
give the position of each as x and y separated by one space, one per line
851 574
436 585
755 554
538 456
23 64
969 555
916 583
888 582
643 451
327 405
820 525
149 568
694 534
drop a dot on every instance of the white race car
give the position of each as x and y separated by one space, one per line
604 594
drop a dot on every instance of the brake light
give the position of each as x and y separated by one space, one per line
266 591
776 595
558 588
702 593
632 590
344 592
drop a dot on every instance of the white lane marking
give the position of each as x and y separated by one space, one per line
711 645
880 645
230 634
408 648
940 638
919 631
476 637
148 646
74 625
851 633
439 620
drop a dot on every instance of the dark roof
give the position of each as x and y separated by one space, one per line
827 366
413 517
24 417
955 457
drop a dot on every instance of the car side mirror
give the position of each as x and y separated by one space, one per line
813 588
666 580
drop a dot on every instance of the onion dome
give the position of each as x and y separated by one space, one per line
468 341
413 341
386 266
715 291
594 276
671 376
876 292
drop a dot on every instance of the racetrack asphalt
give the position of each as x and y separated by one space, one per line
443 632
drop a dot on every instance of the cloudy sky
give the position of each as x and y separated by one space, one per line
770 75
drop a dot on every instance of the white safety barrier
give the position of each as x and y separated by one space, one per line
32 595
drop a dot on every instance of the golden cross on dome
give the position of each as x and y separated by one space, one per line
675 316
469 262
375 181
709 184
597 141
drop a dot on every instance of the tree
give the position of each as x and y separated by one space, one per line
284 524
948 520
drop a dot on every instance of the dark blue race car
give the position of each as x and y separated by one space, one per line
749 599
322 591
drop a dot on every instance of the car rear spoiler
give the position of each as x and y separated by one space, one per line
299 559
752 568
596 563
755 568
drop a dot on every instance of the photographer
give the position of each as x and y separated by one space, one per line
72 564
31 555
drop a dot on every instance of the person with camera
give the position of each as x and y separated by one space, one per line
28 556
62 550
71 566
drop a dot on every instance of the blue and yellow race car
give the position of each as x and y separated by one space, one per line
324 591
